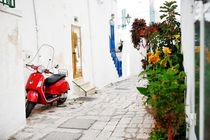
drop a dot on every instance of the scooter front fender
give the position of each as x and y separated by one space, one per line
32 96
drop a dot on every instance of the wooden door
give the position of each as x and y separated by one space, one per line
76 51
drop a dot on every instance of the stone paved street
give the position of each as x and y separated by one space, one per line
116 113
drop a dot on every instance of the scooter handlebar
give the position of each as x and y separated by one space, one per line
32 66
36 68
48 71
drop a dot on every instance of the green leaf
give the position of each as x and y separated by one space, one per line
143 91
161 17
143 72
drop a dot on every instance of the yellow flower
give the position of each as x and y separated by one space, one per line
176 36
173 69
175 82
197 50
208 57
167 50
149 53
165 64
207 50
150 59
157 52
154 59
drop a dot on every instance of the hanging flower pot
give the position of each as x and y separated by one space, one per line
136 34
141 32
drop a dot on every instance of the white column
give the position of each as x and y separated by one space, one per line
187 26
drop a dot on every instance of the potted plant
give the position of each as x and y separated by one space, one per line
141 32
164 70
137 31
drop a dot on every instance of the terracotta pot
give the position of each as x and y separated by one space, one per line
141 32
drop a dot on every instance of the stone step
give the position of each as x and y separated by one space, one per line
91 91
85 85
79 81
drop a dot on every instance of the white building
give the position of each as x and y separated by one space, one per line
135 9
12 108
31 23
195 22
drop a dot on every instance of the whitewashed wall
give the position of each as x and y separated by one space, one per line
100 14
131 58
12 107
54 19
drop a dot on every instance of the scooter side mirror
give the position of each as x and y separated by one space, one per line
56 66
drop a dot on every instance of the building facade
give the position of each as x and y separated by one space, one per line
80 33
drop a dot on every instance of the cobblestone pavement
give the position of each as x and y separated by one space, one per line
115 113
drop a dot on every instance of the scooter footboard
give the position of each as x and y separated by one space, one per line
32 96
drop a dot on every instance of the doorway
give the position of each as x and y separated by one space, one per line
76 51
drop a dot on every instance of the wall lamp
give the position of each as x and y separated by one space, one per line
126 18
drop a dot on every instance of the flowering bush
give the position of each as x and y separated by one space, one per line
165 73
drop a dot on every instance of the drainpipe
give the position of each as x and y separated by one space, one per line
36 27
91 47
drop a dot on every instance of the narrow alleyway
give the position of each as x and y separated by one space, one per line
115 113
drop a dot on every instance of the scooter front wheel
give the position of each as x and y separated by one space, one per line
29 106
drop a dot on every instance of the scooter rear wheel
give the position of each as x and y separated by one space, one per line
29 106
62 100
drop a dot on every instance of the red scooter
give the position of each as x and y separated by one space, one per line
45 91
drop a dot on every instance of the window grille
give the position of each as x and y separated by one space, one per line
204 1
10 3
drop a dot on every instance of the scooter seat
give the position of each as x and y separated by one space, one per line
53 79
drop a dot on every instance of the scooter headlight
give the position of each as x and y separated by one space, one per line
41 69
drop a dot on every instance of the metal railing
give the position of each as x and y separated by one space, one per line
80 87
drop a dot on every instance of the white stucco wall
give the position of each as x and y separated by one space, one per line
12 107
100 14
131 59
54 20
